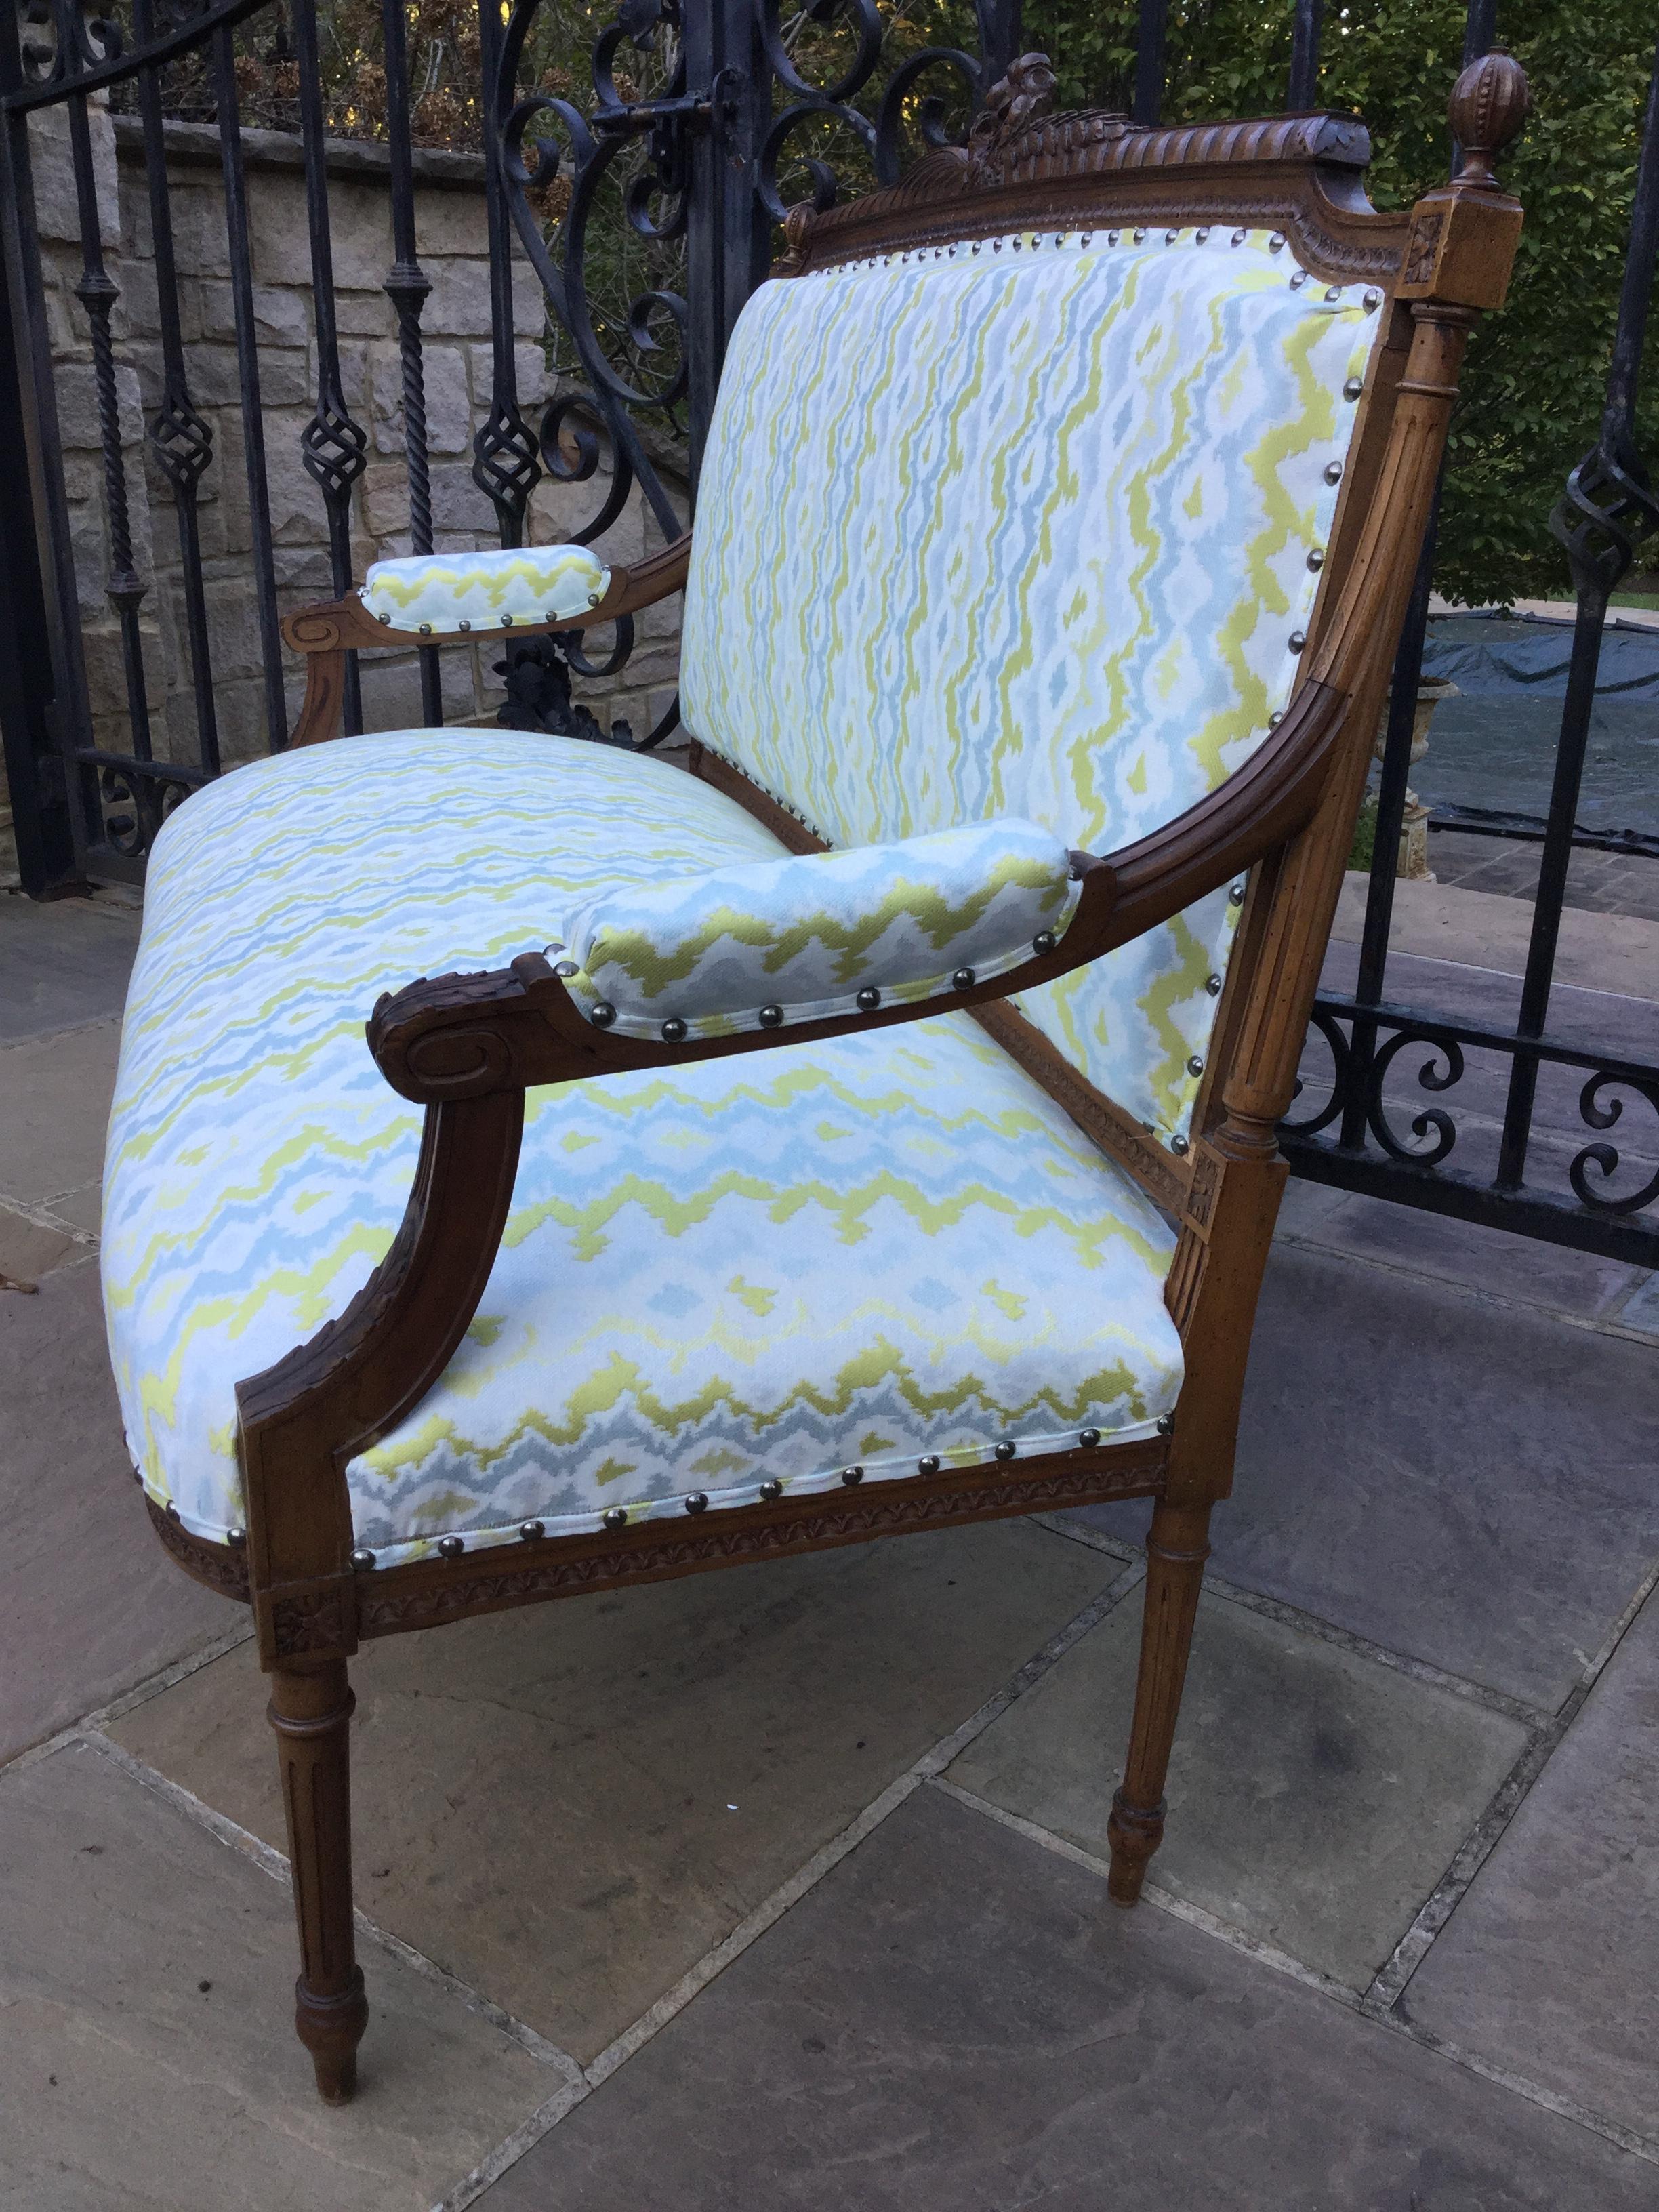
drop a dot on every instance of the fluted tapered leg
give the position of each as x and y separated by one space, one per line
1177 1545
311 1713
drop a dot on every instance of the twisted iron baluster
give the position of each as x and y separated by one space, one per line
1608 509
505 465
334 447
98 292
407 286
247 372
180 439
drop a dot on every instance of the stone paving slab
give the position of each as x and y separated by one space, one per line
89 1602
1467 1483
1316 1797
1477 929
62 962
55 1095
1550 1963
1641 1309
28 1251
569 1806
957 2020
146 2034
1503 864
1518 1269
1602 882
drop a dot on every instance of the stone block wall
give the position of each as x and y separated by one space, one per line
453 244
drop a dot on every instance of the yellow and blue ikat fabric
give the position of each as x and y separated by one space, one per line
806 934
774 1266
485 591
1029 525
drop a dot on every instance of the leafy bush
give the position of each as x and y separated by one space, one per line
1533 390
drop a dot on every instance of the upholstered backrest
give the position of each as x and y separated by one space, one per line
1028 526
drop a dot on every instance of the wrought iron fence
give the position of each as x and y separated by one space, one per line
1365 1128
703 119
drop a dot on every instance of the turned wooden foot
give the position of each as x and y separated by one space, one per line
1177 1545
311 1713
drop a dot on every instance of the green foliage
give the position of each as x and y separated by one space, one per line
1533 390
1364 833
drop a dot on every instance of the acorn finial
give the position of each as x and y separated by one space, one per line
1490 103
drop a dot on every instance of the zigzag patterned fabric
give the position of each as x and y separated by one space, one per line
485 591
769 1267
803 936
1029 526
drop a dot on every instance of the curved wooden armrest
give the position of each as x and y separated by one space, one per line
506 1029
324 634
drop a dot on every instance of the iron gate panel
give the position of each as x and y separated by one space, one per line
705 117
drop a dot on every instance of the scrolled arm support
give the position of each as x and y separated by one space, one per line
300 1421
324 634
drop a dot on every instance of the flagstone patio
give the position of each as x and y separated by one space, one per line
783 1891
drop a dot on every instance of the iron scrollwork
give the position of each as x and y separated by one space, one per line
1362 1073
556 161
67 47
137 801
1359 1071
1604 1158
579 161
1324 1025
1364 1039
1433 1149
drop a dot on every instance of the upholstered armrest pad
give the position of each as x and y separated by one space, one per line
803 937
436 591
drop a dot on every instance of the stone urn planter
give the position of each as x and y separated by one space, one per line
1413 861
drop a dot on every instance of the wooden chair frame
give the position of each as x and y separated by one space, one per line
466 1048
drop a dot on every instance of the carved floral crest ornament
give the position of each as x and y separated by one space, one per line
1110 895
1016 99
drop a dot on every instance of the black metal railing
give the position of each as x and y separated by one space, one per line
646 206
1581 1193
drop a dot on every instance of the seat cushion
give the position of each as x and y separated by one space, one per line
1028 526
774 1266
